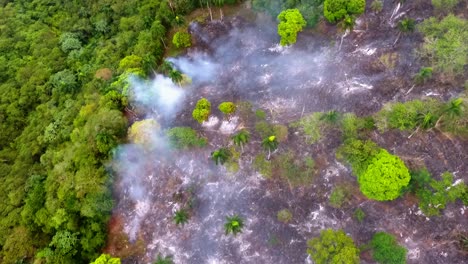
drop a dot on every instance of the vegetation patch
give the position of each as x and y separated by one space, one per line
184 138
333 247
385 249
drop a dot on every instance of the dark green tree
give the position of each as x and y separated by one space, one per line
220 156
385 249
241 138
181 217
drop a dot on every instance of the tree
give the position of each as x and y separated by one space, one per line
181 217
454 107
176 76
202 110
182 39
220 156
234 224
106 259
143 132
270 143
333 247
336 10
241 138
384 178
385 249
227 108
291 22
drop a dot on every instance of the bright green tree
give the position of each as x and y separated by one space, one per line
227 108
106 259
385 249
336 10
290 23
333 247
142 132
384 178
182 39
202 110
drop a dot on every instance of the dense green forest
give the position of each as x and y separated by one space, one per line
64 109
62 102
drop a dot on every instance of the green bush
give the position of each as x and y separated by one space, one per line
444 5
377 6
359 215
202 110
385 249
260 114
182 39
434 195
262 165
284 216
290 23
338 197
311 126
184 137
445 44
406 25
294 170
384 177
234 224
336 10
333 247
404 116
227 108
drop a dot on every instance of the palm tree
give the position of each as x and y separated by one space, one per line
270 143
163 260
452 109
241 138
330 116
234 224
166 67
220 156
176 76
406 25
426 121
181 217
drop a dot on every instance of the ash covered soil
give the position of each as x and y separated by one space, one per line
238 59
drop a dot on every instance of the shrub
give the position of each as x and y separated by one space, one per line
163 260
385 249
406 25
311 126
182 39
262 165
336 10
404 116
358 154
434 195
424 74
106 259
359 215
338 197
284 216
184 137
227 108
202 110
294 170
333 247
377 6
444 5
384 178
264 129
446 44
290 23
260 114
